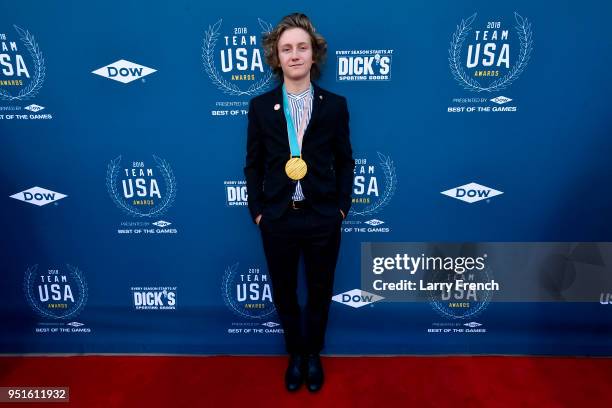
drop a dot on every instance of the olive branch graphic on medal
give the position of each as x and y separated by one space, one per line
38 79
228 276
28 286
211 35
523 29
166 171
390 186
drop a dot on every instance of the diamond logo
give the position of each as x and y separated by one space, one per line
38 196
374 222
161 224
500 100
124 71
75 324
34 108
472 324
472 192
356 298
270 324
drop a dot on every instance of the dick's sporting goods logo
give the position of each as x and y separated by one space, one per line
154 297
38 196
363 65
235 193
124 71
356 298
472 192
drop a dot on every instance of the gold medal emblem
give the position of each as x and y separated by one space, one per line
296 168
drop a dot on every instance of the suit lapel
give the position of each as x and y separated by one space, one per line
278 117
279 114
317 103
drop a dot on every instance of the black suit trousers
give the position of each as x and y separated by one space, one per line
316 237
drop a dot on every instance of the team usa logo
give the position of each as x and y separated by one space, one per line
374 185
464 289
141 188
56 293
233 59
460 302
22 66
489 56
248 293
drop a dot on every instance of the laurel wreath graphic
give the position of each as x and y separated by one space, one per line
38 78
211 35
481 305
166 171
390 187
523 29
28 288
226 288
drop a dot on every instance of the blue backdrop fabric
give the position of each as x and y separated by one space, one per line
123 126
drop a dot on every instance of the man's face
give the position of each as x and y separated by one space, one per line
295 53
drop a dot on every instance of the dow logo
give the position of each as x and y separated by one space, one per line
124 71
472 192
356 298
38 196
34 108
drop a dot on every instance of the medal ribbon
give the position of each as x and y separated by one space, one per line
295 138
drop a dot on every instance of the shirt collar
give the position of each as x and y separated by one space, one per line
301 95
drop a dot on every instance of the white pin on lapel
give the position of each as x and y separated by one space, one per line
277 106
320 96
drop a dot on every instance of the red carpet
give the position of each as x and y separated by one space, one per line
144 381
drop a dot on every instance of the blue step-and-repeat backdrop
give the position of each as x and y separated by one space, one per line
124 220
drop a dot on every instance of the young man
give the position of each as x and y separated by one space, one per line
299 174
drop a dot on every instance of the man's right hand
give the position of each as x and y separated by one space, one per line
257 219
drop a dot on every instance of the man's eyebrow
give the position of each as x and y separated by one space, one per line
289 44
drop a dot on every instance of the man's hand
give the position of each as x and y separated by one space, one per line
258 218
343 216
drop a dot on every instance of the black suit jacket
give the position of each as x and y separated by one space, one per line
326 148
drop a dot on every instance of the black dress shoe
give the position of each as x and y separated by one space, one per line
314 373
294 376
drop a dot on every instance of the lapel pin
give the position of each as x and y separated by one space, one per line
320 96
277 106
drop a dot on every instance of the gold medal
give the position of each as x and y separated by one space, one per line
296 168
